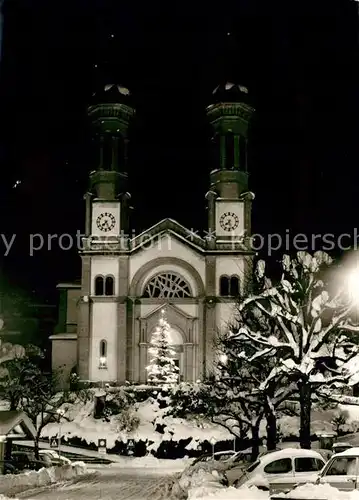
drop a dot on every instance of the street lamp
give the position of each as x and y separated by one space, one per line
60 413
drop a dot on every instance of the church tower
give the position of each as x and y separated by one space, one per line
101 341
229 259
229 201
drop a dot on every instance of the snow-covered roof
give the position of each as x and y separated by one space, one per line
112 93
351 452
230 86
230 92
15 421
289 453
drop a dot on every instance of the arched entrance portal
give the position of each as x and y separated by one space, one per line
176 342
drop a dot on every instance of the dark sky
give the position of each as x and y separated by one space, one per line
299 60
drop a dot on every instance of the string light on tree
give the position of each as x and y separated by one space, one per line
162 369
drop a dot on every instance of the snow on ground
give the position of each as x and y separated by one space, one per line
321 491
209 491
149 463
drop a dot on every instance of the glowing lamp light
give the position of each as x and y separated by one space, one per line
223 358
353 285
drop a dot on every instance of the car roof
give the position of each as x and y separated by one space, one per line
289 453
351 452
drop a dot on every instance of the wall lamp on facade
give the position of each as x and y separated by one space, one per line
103 363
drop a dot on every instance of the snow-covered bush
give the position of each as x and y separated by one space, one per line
190 399
127 421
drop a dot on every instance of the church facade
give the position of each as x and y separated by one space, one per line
106 321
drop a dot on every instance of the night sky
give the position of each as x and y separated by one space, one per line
299 61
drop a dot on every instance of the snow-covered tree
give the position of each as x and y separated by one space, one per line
238 384
162 369
25 386
311 331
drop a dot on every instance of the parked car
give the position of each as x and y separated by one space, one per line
341 472
339 447
22 460
303 465
222 456
231 457
54 457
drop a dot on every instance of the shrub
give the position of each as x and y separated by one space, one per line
127 421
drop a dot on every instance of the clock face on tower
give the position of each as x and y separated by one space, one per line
229 221
105 221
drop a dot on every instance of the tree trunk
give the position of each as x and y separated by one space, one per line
305 394
271 428
36 447
255 441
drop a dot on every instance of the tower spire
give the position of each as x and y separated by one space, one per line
110 116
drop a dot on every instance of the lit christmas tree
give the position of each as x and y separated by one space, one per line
162 368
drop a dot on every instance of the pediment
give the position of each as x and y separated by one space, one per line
170 309
168 227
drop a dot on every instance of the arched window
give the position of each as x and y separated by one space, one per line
109 285
167 285
234 286
224 286
99 285
103 349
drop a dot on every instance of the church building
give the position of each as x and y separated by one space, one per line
106 321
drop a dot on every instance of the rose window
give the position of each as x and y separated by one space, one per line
167 285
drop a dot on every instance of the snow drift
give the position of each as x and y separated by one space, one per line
16 483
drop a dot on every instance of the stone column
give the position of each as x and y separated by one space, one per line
211 331
88 214
210 311
237 153
114 153
136 344
222 151
199 341
133 308
143 362
188 356
211 197
102 146
122 345
121 342
84 323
